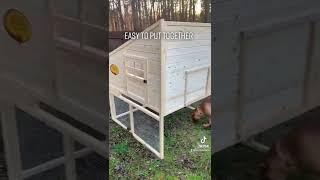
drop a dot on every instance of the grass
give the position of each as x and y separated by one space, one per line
131 160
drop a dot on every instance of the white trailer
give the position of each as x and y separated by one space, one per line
267 65
159 76
53 53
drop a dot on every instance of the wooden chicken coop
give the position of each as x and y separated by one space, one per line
160 76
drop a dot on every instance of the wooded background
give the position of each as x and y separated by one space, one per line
136 15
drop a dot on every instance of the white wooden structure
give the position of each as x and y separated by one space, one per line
267 65
160 76
61 63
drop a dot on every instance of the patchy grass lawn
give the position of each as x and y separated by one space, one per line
131 160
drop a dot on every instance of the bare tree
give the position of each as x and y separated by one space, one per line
152 13
206 13
119 7
127 15
194 10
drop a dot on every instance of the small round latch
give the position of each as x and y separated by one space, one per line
17 25
114 69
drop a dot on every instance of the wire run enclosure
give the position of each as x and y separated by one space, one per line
160 76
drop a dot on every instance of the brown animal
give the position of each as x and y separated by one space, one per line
296 152
204 109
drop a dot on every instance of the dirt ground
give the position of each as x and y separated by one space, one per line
240 162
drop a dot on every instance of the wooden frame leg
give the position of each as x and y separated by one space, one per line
112 106
70 164
252 143
131 118
11 142
161 136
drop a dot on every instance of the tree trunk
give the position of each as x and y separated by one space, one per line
134 15
120 14
146 13
152 12
206 10
193 10
190 10
182 10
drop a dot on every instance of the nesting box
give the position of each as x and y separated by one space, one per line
161 75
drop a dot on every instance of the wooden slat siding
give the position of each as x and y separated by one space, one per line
262 105
183 55
187 57
314 94
264 8
196 36
225 64
281 99
149 49
86 74
152 56
176 87
190 50
145 48
77 74
188 44
188 29
284 13
226 87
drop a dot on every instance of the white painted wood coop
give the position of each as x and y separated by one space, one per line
160 76
52 52
267 66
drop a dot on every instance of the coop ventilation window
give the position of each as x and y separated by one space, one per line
136 68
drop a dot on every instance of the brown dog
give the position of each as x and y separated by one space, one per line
298 151
204 109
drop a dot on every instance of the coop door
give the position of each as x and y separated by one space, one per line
136 76
196 84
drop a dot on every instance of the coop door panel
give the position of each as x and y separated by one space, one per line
136 90
314 95
196 85
274 65
274 61
30 62
136 72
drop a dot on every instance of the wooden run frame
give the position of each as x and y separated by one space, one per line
132 108
70 133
